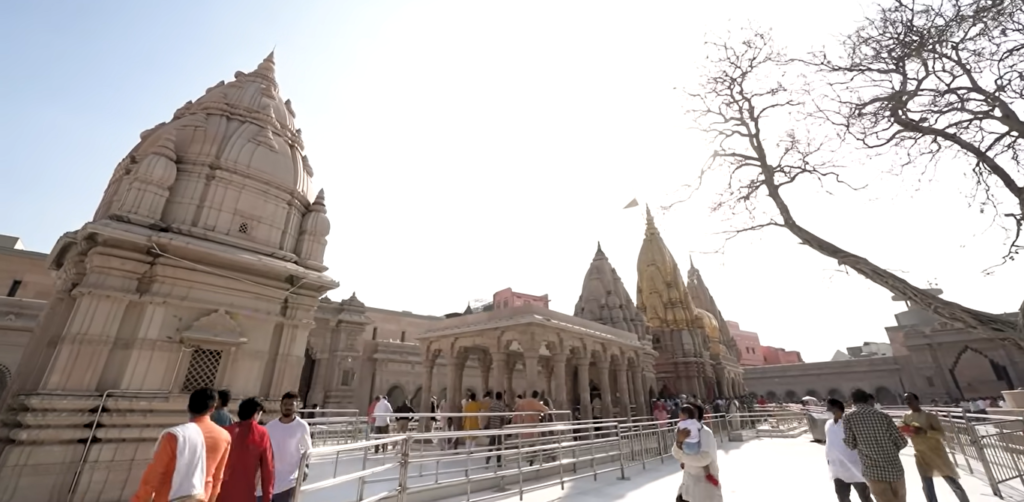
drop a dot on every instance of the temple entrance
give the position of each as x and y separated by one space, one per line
836 394
975 374
306 377
396 395
886 397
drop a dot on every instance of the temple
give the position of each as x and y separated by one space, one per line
203 266
695 353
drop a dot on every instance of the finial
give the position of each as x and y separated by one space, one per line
469 309
320 200
599 254
266 70
648 208
691 263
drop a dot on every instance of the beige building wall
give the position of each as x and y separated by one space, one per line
26 267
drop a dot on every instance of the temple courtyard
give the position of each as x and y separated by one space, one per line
765 469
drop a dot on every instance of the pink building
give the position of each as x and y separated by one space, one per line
748 343
507 298
775 355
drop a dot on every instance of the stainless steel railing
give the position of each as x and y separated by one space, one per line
354 464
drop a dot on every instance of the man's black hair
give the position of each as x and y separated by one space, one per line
487 394
836 404
498 396
860 396
290 395
224 397
202 401
472 396
535 394
915 396
249 407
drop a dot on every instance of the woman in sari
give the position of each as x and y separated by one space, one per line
695 486
660 412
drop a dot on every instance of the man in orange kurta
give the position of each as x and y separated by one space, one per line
156 480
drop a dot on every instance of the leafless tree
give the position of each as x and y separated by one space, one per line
743 94
939 81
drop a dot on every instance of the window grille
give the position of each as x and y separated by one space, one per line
202 370
243 228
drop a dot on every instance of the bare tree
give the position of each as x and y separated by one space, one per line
741 96
939 81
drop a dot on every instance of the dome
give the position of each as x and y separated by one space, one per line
238 175
661 293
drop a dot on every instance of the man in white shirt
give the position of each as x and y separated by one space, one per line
289 438
381 424
843 463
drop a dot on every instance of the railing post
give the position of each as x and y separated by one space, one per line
303 462
403 469
982 457
622 460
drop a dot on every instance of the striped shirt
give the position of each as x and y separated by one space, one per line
496 421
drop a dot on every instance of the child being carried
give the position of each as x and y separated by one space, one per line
688 437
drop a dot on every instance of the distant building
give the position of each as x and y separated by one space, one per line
506 299
749 345
776 355
868 349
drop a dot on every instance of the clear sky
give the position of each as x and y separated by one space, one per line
466 147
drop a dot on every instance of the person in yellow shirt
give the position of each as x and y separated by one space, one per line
471 423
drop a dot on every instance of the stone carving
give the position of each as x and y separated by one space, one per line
217 327
313 235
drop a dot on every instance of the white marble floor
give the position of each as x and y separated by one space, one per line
766 469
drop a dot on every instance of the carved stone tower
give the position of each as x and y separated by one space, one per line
682 365
725 354
202 266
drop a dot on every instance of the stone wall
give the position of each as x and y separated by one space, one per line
790 382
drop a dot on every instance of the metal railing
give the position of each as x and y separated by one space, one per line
471 464
351 463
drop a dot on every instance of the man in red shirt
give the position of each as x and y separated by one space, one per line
369 412
251 457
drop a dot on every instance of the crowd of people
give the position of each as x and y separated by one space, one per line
214 458
863 447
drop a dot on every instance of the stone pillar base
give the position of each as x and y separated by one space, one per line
43 472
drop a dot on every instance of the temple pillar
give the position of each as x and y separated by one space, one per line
484 361
454 397
427 392
558 362
641 402
607 402
530 357
332 381
321 362
500 362
510 373
583 380
291 351
623 388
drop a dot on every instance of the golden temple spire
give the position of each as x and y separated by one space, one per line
661 292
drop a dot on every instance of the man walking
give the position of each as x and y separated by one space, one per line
381 424
251 461
929 451
189 461
407 411
877 442
289 439
220 415
842 461
496 422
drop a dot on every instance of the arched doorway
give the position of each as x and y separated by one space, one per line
813 393
975 374
416 396
886 397
771 396
396 395
791 397
836 394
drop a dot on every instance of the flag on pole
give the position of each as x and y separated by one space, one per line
632 203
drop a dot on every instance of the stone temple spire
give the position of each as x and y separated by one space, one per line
604 299
661 293
708 311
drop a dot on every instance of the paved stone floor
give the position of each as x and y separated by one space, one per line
766 469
